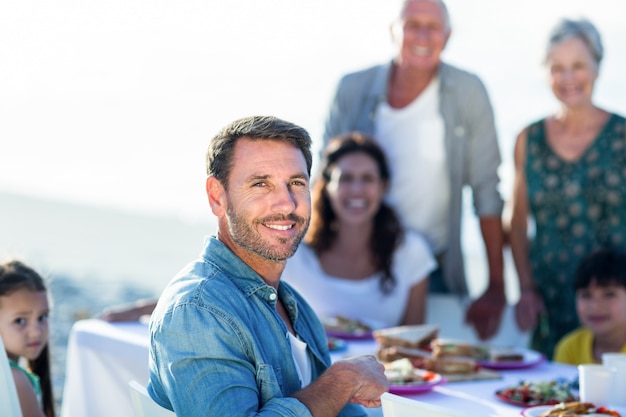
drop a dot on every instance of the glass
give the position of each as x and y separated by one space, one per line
595 383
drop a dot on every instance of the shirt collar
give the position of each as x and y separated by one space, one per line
244 277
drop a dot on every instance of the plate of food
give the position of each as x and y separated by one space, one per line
404 378
511 358
527 394
568 409
491 357
348 329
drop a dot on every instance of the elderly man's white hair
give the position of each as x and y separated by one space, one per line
446 15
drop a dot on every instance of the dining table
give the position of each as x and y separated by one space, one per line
103 357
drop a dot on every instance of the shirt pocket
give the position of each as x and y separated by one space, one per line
270 382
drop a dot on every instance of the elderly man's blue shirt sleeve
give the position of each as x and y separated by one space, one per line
484 152
336 119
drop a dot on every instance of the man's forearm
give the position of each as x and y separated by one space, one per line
493 237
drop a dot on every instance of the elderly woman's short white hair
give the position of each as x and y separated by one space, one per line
582 29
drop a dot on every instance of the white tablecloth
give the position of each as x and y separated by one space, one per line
478 397
103 357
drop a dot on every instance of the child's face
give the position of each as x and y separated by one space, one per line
602 309
24 323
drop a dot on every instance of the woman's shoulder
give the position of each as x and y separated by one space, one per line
414 257
532 132
536 125
617 119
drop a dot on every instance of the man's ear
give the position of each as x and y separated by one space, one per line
217 196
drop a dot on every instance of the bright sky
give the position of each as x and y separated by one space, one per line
113 102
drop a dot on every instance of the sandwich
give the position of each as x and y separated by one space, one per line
424 360
401 372
505 354
452 348
415 336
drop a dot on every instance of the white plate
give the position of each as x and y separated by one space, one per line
538 410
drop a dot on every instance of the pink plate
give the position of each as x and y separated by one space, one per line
349 335
531 358
408 389
500 395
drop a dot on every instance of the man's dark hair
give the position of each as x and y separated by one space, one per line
219 158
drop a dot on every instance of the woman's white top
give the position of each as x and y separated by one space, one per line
362 299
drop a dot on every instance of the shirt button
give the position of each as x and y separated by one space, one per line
273 296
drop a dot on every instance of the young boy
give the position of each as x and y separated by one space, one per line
600 285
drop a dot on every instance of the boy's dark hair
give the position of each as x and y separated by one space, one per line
604 267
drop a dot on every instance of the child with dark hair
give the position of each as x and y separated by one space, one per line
24 310
600 285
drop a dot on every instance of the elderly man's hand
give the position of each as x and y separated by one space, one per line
485 313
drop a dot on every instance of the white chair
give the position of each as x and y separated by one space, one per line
397 406
143 405
8 394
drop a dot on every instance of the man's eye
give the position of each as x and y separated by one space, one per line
259 184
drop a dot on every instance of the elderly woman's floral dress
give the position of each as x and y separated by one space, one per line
577 206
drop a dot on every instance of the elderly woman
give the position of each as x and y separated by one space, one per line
570 178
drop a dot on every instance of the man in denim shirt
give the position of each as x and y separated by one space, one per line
228 338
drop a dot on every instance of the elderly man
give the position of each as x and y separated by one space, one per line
228 337
436 125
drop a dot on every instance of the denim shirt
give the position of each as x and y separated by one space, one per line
218 346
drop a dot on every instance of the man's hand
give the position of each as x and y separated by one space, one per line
485 314
359 380
373 381
528 309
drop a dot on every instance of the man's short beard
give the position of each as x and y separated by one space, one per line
249 239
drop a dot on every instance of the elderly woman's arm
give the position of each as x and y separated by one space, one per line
530 304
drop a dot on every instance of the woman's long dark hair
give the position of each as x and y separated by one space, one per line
15 275
387 232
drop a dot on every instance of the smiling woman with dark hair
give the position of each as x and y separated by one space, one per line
357 261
